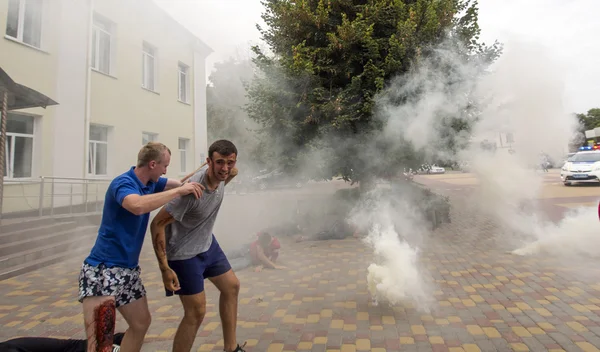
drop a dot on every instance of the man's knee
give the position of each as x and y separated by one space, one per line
233 288
141 323
195 314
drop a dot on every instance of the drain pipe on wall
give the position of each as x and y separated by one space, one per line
88 89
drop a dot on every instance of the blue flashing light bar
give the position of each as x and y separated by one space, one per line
587 147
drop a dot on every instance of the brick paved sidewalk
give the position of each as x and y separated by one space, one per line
486 300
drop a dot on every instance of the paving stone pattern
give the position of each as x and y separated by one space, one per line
486 300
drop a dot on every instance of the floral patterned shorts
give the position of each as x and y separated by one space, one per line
123 283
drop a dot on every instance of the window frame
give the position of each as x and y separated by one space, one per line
92 154
183 69
146 48
98 23
183 154
21 23
9 161
154 137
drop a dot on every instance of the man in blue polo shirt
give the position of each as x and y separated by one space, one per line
110 275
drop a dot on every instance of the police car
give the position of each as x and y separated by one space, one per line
584 166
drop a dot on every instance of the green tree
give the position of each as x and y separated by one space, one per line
329 61
590 120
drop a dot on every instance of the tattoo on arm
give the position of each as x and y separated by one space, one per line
158 239
105 319
160 249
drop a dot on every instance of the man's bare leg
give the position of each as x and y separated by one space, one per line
99 316
194 310
229 286
137 316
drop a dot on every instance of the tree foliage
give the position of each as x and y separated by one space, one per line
590 120
330 59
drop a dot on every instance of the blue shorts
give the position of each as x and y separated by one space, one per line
192 272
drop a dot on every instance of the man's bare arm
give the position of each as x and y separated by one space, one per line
157 230
172 183
232 174
192 173
263 258
139 205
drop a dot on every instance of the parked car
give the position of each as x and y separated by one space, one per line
437 170
584 166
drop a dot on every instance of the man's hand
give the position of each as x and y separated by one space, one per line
170 280
191 188
232 173
258 268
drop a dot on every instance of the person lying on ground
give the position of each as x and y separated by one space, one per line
265 251
46 344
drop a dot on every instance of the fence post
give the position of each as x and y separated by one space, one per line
41 199
71 199
52 199
85 197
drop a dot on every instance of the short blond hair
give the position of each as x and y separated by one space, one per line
151 151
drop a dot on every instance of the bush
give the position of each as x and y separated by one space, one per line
435 208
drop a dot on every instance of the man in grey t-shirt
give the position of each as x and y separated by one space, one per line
188 252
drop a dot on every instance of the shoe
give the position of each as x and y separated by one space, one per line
239 349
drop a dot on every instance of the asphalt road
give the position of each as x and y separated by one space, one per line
553 198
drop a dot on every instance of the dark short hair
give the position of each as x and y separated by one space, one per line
223 147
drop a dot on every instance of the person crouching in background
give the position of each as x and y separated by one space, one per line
264 252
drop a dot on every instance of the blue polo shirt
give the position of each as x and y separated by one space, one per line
121 234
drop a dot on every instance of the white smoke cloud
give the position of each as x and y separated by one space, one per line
516 107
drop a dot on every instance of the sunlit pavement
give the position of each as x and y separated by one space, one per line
554 198
486 300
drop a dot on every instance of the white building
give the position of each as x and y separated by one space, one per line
123 72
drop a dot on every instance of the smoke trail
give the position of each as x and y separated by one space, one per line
575 236
395 231
514 112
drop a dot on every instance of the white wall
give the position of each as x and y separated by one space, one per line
71 87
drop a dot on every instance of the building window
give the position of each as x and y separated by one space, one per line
148 137
149 67
98 154
19 146
24 21
101 45
510 138
184 144
183 82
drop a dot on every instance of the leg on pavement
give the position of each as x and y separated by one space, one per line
99 316
194 309
229 286
137 316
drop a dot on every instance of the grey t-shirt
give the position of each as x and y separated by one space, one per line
191 232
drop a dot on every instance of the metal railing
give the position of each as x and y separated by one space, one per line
50 196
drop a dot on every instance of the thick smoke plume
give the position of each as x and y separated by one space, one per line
514 113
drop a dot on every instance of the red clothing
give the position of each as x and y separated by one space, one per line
271 252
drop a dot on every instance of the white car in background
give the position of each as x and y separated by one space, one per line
584 166
437 170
